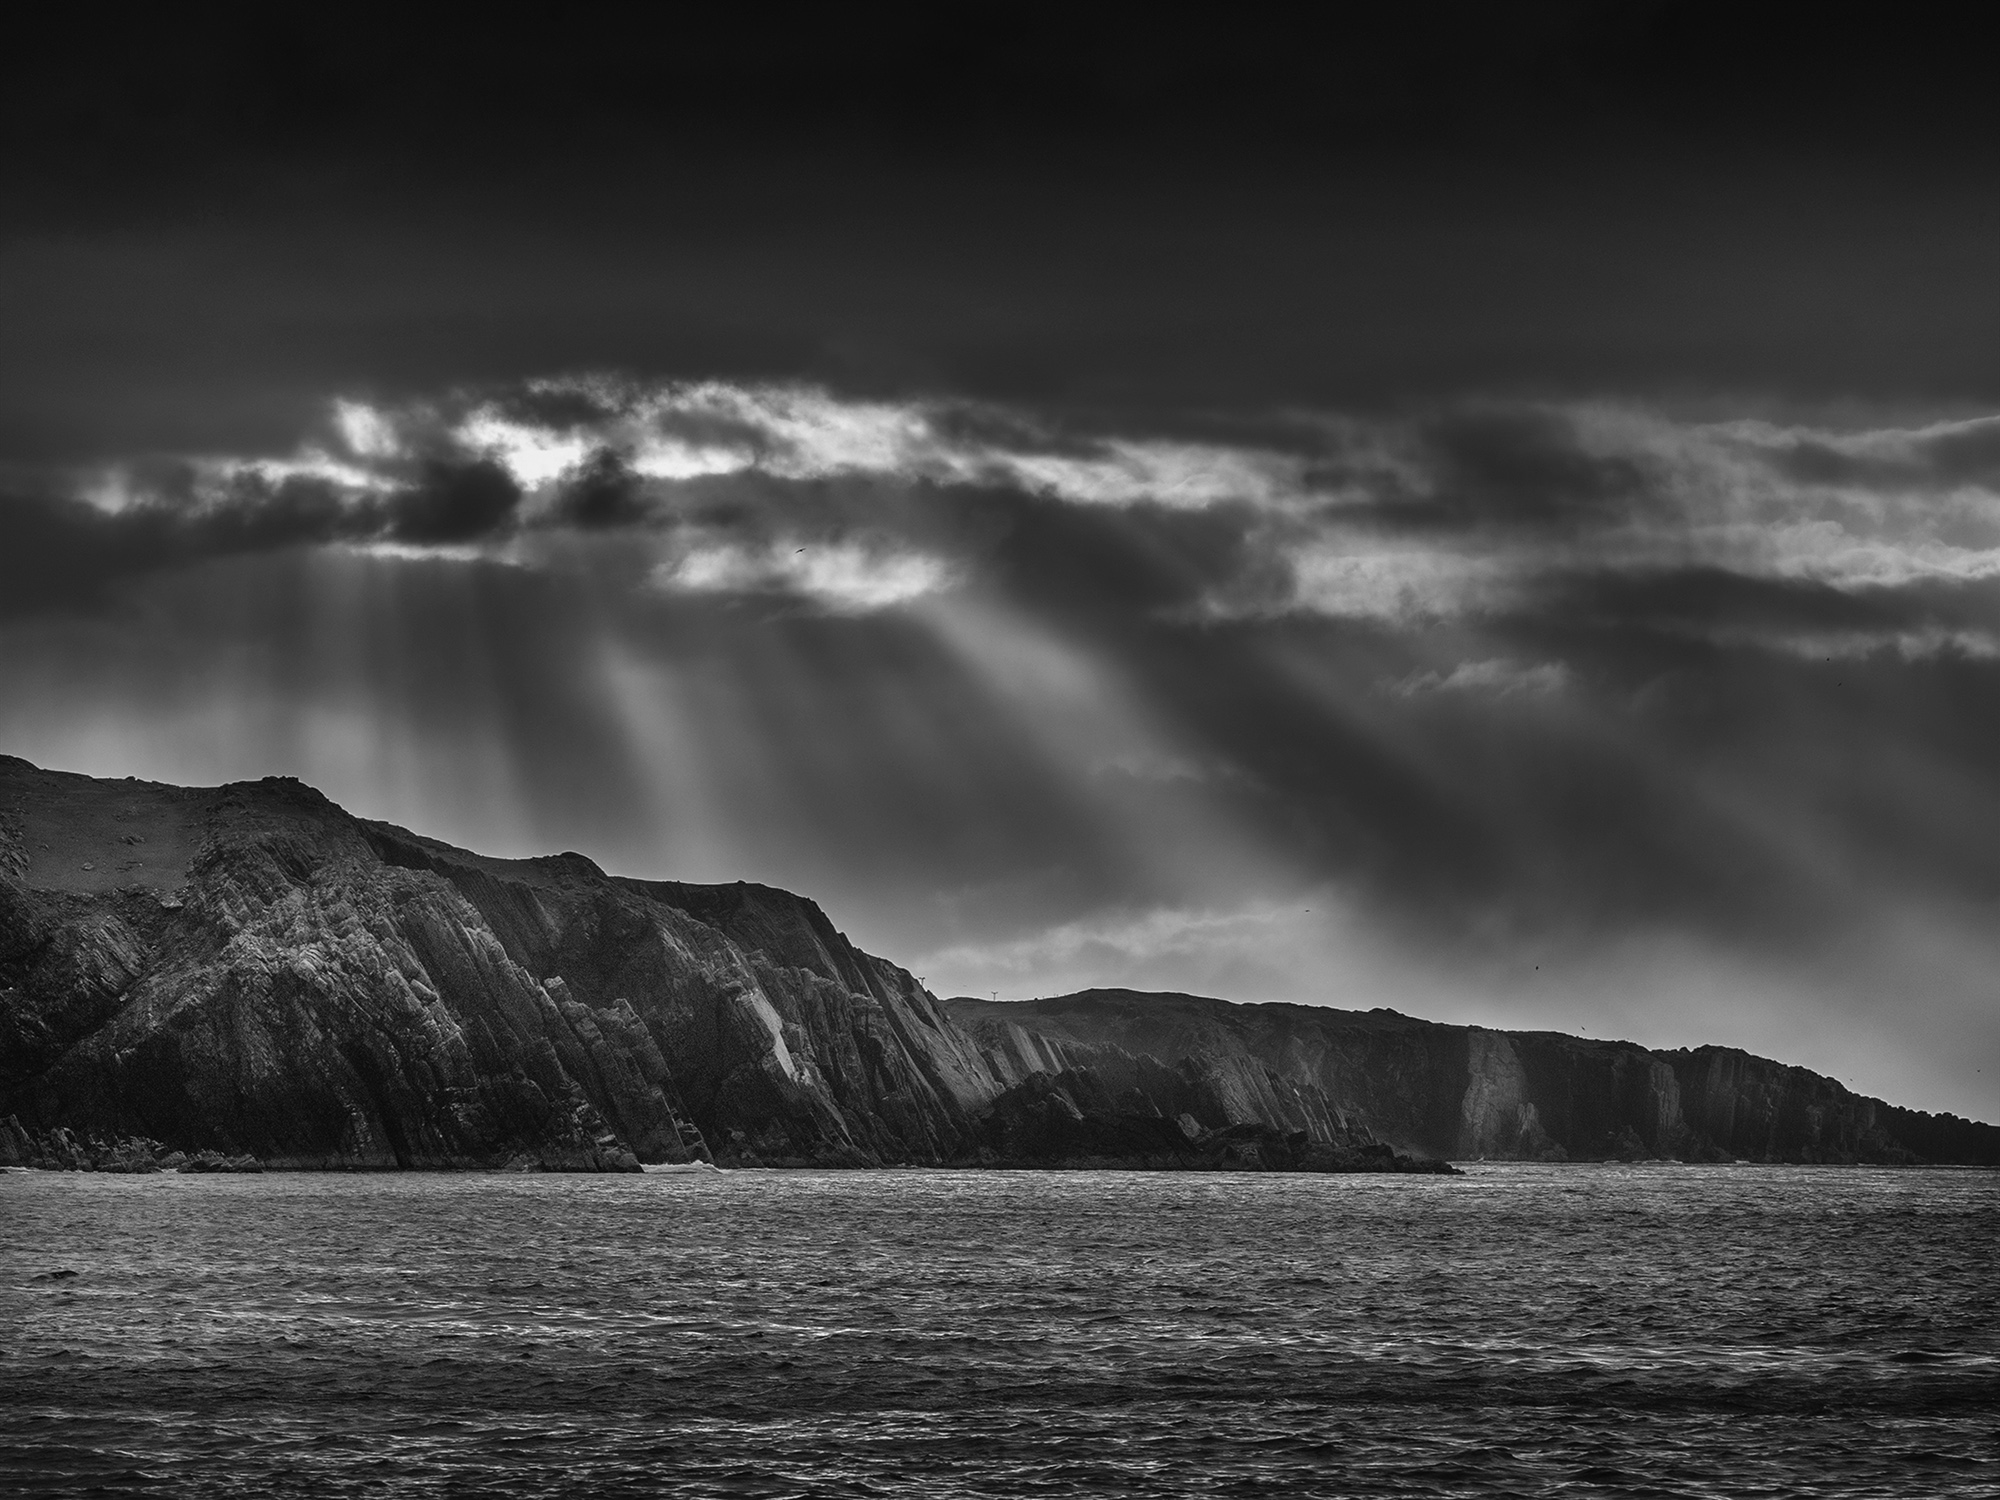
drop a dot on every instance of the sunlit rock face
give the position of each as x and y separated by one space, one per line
1432 1090
250 970
248 976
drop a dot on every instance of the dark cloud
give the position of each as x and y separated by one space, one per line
1086 560
708 429
1797 617
1522 464
1711 601
604 492
58 552
566 409
1961 454
461 501
1816 461
258 516
1488 467
1966 453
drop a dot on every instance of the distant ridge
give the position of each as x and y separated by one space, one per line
1462 1092
247 976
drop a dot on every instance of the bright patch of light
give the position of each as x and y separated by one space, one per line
1393 583
533 455
309 463
456 552
1923 644
656 457
367 432
1182 475
844 577
813 435
109 491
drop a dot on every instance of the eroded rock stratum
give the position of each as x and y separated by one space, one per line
248 975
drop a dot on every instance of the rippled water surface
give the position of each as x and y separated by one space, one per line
1522 1329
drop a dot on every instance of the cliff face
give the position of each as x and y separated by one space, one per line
250 970
1459 1092
248 975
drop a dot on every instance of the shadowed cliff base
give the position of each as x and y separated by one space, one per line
246 976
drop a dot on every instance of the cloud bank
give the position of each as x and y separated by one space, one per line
1851 537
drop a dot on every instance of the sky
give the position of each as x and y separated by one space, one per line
1488 511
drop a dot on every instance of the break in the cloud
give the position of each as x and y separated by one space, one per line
1858 537
843 576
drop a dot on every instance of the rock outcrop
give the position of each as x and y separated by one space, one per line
1080 1118
247 976
250 970
1458 1092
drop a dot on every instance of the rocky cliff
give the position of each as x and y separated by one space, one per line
1457 1092
245 976
248 970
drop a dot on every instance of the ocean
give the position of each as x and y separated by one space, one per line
1524 1329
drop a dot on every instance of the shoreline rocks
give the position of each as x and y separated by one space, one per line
63 1150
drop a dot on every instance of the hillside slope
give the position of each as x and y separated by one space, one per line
1455 1091
250 970
247 974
